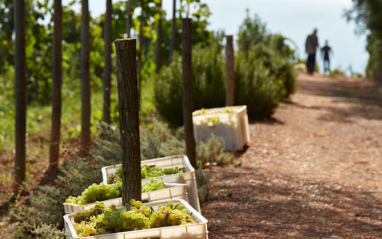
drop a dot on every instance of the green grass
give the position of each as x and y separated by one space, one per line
39 117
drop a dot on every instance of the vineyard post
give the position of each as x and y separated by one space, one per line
159 40
230 71
128 19
107 69
20 92
85 78
187 91
129 119
173 30
54 149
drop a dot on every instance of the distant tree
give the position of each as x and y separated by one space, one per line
85 77
367 14
54 149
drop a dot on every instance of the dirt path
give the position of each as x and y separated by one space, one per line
312 172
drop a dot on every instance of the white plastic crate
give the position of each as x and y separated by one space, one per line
181 161
172 191
190 231
233 127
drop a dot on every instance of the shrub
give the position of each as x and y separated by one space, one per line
50 231
257 86
202 180
213 152
338 71
208 87
263 78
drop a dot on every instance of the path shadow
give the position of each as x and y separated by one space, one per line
361 92
269 121
363 98
293 209
345 115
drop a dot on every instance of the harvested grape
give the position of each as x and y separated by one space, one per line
101 192
147 172
134 216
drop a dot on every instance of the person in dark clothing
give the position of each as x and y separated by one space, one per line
311 45
325 52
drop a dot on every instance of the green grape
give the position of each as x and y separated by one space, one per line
97 192
101 192
147 172
134 216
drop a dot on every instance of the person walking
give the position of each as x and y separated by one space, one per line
325 52
311 45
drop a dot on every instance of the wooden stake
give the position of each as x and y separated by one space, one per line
173 30
230 72
128 19
158 54
54 150
85 79
129 119
20 91
107 69
187 91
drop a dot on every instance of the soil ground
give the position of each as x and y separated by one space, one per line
313 171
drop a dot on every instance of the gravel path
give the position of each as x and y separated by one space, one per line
313 171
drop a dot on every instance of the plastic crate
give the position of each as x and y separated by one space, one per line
187 177
233 127
190 231
172 191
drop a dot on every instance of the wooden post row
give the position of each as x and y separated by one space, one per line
187 91
129 119
230 72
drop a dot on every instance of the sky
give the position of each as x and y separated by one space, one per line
294 19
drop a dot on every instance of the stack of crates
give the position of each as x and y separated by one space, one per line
180 188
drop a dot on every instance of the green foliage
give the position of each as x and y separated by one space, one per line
251 32
367 14
264 75
337 72
50 231
256 86
202 180
214 149
208 87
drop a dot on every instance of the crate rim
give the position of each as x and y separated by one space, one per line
185 158
166 184
239 107
202 220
